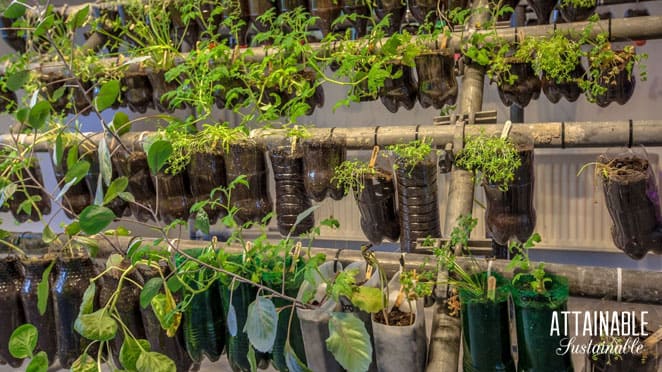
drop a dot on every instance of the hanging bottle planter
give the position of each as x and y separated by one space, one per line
254 203
137 92
72 278
327 11
543 10
425 10
570 89
358 7
486 351
8 100
255 9
78 196
534 312
395 9
572 12
11 310
287 166
31 187
399 92
82 98
173 199
205 172
89 152
631 195
436 79
53 84
32 270
204 326
11 35
320 158
525 87
160 87
377 206
615 77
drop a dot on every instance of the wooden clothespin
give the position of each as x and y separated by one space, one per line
506 129
373 157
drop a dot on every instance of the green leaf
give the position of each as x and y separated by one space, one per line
78 19
127 196
349 342
174 284
120 124
14 10
96 326
84 363
105 166
201 221
303 215
252 361
157 155
131 350
114 260
72 228
16 80
261 324
43 26
48 236
150 289
77 172
368 299
39 363
107 95
94 218
231 321
43 289
116 187
89 243
87 305
58 150
164 305
23 341
22 114
39 115
155 362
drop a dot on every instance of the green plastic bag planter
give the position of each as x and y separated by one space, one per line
536 348
485 336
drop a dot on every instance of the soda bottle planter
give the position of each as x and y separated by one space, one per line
82 99
510 214
395 9
486 351
160 87
418 204
205 172
133 165
287 166
362 11
52 85
573 13
526 86
534 313
399 92
254 202
11 311
304 76
137 92
72 278
401 345
570 89
173 199
543 9
11 35
127 305
436 79
424 10
619 87
32 269
320 157
204 325
32 188
377 206
78 196
631 195
255 9
327 11
278 357
173 347
118 205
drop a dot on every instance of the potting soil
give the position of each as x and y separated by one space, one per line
287 167
376 202
320 158
396 318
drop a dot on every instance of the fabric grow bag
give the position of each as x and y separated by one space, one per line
377 206
11 311
486 351
320 158
535 345
205 172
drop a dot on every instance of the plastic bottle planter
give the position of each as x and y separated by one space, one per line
631 195
402 345
510 214
289 5
543 9
399 92
138 92
32 188
424 10
320 157
359 8
570 90
486 351
315 322
376 202
225 87
205 172
173 347
188 32
133 165
316 100
32 269
287 166
160 87
78 196
526 86
172 194
11 36
253 202
620 87
8 99
436 79
11 311
393 8
60 104
534 313
127 305
296 339
204 325
255 9
72 278
119 206
572 13
327 11
418 204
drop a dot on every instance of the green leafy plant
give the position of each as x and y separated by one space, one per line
556 56
22 343
490 158
578 3
412 153
350 175
520 260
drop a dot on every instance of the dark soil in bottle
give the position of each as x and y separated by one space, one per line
510 214
32 188
160 87
133 165
418 203
570 90
399 92
72 278
396 318
543 9
320 158
377 206
395 9
205 172
78 196
172 193
619 88
631 195
11 311
572 13
32 270
137 93
437 85
287 166
526 86
254 203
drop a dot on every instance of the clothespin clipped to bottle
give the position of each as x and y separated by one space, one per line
293 141
368 256
296 252
506 129
247 247
373 156
491 283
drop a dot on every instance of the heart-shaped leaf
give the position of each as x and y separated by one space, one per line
261 324
94 218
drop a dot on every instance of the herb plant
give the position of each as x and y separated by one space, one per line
412 153
491 159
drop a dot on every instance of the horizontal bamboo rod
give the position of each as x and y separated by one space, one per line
584 281
546 135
